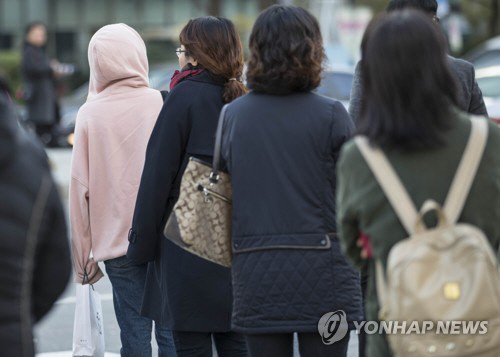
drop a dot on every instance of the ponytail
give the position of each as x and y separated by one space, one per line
233 89
215 44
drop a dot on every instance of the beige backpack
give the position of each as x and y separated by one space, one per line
443 280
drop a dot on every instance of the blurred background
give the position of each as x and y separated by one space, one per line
472 28
71 23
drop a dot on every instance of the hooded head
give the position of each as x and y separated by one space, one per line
117 56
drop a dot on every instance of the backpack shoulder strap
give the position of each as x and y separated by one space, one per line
390 183
467 169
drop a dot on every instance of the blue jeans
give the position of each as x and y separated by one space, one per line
128 280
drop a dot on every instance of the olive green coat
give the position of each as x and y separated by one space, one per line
362 206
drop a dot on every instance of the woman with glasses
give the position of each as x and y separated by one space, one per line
194 296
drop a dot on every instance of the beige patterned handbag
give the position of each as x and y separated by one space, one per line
200 221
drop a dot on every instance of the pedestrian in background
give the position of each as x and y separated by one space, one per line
280 143
196 295
470 98
111 135
35 261
410 109
38 83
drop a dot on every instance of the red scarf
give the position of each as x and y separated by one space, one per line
179 76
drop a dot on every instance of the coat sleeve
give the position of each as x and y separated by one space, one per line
476 105
164 155
343 127
81 238
52 267
347 221
356 92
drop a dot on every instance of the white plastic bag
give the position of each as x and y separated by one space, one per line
88 333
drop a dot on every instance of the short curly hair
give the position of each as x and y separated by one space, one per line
286 51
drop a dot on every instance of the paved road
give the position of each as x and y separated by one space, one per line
53 334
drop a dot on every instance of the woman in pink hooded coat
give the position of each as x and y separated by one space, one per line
112 131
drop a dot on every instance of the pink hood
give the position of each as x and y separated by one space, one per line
117 57
112 131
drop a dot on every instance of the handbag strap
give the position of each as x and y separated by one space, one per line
218 143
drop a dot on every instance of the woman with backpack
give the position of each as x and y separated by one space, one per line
409 124
194 296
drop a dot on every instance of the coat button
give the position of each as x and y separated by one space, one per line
236 245
323 242
132 236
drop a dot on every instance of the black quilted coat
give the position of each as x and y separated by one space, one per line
35 264
288 269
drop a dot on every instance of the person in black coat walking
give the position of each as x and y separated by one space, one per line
280 144
38 82
470 98
35 260
194 296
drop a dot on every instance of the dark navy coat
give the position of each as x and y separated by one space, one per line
183 292
288 268
38 85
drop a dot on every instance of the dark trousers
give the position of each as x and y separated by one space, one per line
199 344
45 132
362 333
281 345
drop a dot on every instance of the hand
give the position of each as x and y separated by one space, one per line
54 64
93 271
364 242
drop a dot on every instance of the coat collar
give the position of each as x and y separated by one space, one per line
208 77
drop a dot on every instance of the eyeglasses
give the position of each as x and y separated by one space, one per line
178 51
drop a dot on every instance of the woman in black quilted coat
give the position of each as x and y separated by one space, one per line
280 144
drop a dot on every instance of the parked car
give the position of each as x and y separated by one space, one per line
159 78
486 54
488 79
337 83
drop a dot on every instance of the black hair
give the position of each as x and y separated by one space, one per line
428 6
31 26
408 88
286 51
